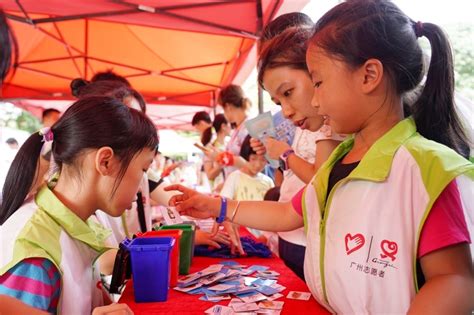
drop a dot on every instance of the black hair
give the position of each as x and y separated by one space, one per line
8 47
358 30
283 22
81 88
11 141
219 120
109 75
246 149
49 111
284 43
201 116
233 95
90 123
273 194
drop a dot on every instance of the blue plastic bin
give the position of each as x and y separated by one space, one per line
150 259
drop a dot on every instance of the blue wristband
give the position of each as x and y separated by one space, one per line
223 213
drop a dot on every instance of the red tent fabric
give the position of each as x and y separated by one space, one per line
178 52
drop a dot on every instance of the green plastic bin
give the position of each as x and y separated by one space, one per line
186 245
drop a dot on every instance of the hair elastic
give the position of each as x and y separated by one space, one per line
419 29
47 134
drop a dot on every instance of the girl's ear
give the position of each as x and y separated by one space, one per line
371 75
104 161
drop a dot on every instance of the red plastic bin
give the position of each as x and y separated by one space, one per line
176 234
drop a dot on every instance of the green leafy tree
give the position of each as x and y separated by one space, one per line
26 121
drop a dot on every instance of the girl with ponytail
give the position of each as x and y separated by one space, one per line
389 216
215 138
102 148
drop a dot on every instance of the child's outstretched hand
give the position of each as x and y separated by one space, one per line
213 240
113 309
194 204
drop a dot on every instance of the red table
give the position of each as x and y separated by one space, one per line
181 303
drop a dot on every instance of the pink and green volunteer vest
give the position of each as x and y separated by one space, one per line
46 228
363 238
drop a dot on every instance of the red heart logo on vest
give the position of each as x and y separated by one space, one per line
389 249
353 243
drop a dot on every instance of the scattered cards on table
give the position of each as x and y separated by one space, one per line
250 289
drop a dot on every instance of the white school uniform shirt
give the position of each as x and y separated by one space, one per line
235 144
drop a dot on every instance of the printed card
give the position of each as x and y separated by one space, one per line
258 268
219 310
267 290
275 296
272 305
296 295
221 287
245 307
261 127
253 298
171 216
284 128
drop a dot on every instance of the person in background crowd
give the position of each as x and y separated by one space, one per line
50 116
12 143
201 121
248 183
215 138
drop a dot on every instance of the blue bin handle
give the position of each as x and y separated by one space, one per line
126 243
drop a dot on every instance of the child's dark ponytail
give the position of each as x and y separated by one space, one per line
434 111
206 136
21 174
219 120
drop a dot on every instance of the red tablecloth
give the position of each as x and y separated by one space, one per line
181 303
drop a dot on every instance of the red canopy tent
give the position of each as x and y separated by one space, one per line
175 52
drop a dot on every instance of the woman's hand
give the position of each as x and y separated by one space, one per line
235 244
232 230
275 148
194 204
257 146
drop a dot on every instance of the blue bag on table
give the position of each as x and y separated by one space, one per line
251 247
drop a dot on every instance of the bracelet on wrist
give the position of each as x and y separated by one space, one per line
223 212
235 211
